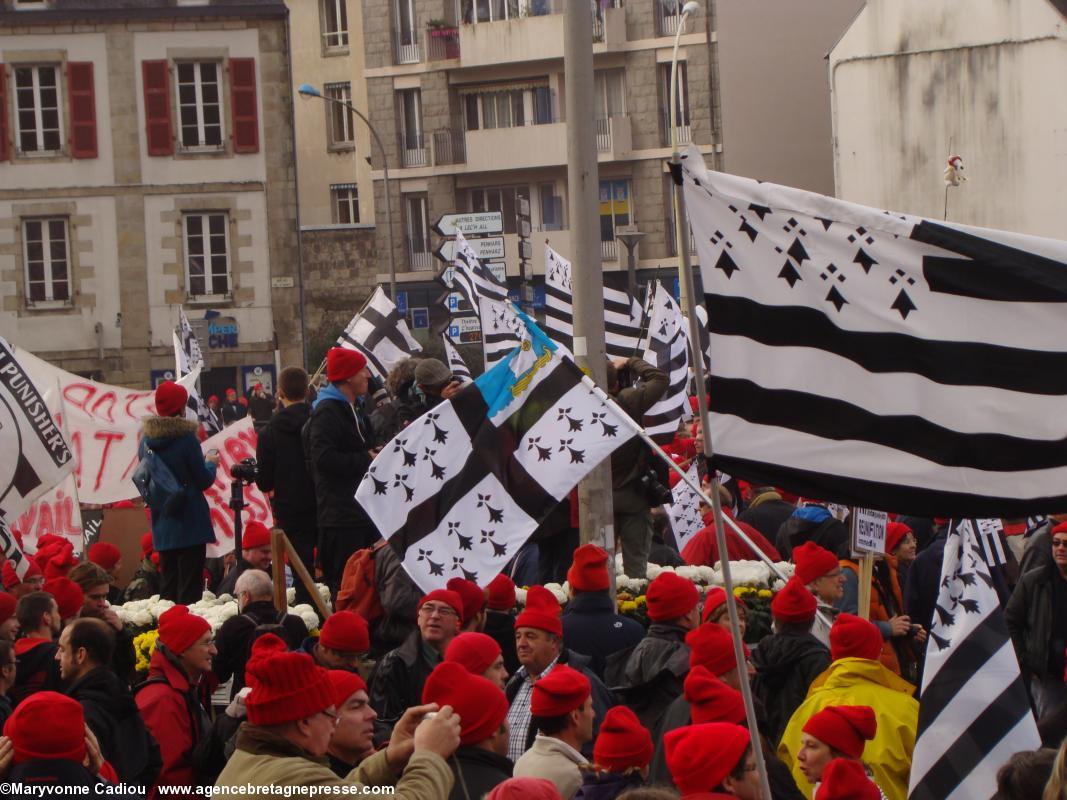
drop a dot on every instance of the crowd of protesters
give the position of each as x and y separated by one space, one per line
461 693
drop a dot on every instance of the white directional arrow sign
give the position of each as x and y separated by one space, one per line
470 224
490 248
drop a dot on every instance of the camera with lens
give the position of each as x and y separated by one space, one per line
653 488
245 470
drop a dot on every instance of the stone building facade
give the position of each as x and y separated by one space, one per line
147 163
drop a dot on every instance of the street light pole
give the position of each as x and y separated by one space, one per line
630 237
307 90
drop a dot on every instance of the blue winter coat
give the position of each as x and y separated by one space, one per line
174 440
591 627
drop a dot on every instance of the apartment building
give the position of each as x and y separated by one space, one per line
146 163
468 97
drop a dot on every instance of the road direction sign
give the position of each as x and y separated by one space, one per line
475 224
490 248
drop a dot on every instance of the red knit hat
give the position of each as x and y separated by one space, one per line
60 565
711 700
524 789
289 686
47 725
69 596
446 596
255 534
713 647
7 606
843 779
670 596
813 562
854 637
542 611
715 598
480 704
345 632
179 630
501 593
170 399
589 569
146 544
560 692
701 756
267 645
105 555
344 685
342 363
844 728
471 595
794 603
623 741
475 652
894 532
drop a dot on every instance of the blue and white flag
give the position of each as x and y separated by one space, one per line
460 490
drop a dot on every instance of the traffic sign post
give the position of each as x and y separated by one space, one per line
476 224
490 248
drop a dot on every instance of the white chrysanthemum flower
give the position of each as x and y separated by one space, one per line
557 592
520 596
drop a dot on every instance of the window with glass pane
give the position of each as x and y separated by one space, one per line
681 104
551 208
37 110
411 118
405 22
206 257
543 111
345 203
335 23
47 259
615 209
610 91
502 199
342 122
200 104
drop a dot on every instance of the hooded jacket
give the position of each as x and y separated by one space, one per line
36 668
811 523
282 466
174 440
860 681
786 664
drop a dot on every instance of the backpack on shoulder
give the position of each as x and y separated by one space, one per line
158 486
359 587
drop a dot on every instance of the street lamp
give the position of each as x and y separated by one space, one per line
630 236
307 90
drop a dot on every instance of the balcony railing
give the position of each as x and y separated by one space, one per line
481 11
685 135
442 43
449 146
668 16
603 135
609 251
413 150
419 256
598 18
407 48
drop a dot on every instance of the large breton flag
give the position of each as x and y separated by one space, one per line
667 347
622 314
881 360
974 713
460 490
380 332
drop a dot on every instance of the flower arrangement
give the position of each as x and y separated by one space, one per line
143 646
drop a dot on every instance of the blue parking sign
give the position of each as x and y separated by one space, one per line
402 302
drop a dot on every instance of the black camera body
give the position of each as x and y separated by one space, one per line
246 470
653 489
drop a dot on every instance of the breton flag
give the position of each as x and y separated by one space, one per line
974 713
380 332
501 329
455 360
684 510
881 360
187 353
460 489
36 454
11 549
622 314
667 348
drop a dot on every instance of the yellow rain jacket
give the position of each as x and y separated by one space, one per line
862 682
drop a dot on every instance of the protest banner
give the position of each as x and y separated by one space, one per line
235 443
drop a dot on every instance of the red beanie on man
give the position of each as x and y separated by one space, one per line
60 565
255 534
794 603
700 757
474 651
344 685
846 729
542 611
342 363
289 686
711 700
179 629
524 789
712 646
471 594
670 596
68 596
715 598
589 569
501 593
854 637
170 399
560 692
481 705
623 742
345 632
47 725
105 555
813 562
267 645
843 779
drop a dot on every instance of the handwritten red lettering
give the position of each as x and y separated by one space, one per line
107 437
79 395
109 399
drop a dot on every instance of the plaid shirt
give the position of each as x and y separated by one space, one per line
519 713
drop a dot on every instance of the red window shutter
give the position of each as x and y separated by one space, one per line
156 78
82 109
5 152
243 101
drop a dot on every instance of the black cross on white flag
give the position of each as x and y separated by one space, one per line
380 332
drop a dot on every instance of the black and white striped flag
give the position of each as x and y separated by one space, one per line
489 299
380 332
622 315
191 355
455 360
881 360
974 713
667 348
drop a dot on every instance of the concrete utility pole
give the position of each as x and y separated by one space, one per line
583 189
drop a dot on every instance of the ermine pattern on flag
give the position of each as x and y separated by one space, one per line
190 347
881 360
684 510
973 711
380 332
455 360
667 348
459 490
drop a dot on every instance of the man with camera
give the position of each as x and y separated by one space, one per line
636 385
